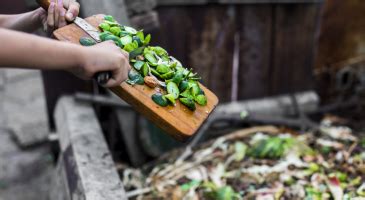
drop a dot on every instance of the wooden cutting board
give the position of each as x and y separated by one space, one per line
178 121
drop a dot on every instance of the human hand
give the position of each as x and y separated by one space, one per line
104 57
57 16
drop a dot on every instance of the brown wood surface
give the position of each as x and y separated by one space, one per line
293 47
277 43
255 29
178 121
202 38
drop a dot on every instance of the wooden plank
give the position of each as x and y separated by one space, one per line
295 29
178 121
255 26
211 46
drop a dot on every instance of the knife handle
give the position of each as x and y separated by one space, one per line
44 3
102 77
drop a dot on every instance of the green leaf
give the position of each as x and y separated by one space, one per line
126 40
115 30
130 30
163 69
154 72
184 85
159 99
104 26
191 184
178 77
173 89
86 41
188 103
171 98
201 99
167 75
109 18
159 50
103 35
145 69
225 193
138 65
147 40
151 59
130 47
139 42
136 52
240 151
187 94
140 34
114 38
135 77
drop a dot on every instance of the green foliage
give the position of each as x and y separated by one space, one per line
146 60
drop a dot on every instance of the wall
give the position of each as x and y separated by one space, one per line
244 50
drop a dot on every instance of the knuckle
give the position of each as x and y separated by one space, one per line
76 4
50 24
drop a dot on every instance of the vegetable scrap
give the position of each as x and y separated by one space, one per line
259 163
153 66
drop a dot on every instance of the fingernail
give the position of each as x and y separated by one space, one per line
70 16
60 3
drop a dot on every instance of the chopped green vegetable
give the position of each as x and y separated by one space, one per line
109 18
104 26
138 65
153 61
201 100
86 41
173 89
126 39
159 99
188 103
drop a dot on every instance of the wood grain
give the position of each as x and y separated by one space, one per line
178 121
293 48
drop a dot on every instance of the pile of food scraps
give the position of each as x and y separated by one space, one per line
260 163
153 66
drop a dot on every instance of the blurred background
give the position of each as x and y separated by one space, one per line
272 58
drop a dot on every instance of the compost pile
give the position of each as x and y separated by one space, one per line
260 163
153 66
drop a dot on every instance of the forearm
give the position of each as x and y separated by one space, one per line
26 22
21 50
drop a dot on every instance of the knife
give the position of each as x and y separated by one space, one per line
101 77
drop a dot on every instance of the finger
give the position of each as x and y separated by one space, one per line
50 17
57 14
126 54
116 80
119 76
73 10
62 20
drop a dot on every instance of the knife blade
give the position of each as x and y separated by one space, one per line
89 29
101 77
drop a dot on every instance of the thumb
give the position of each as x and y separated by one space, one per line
73 11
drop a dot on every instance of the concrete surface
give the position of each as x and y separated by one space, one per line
25 168
87 163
